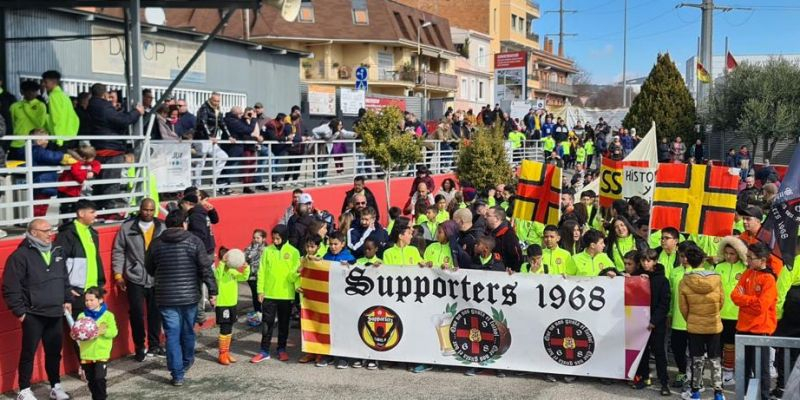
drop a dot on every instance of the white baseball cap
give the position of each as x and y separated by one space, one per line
305 198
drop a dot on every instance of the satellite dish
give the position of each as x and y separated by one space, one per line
289 8
155 16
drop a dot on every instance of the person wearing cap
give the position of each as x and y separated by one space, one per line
62 119
37 270
752 217
301 221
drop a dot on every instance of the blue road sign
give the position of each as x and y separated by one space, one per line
361 74
361 85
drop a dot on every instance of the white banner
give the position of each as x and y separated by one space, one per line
171 164
537 323
638 181
321 100
351 101
519 109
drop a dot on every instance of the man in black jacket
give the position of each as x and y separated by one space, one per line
506 241
103 119
179 263
300 222
127 261
36 290
240 127
360 188
210 127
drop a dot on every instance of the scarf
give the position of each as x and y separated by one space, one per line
95 314
38 244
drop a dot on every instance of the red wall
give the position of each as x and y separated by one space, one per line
239 216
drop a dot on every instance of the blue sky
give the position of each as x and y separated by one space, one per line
657 26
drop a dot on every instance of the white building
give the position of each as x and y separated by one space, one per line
718 67
473 72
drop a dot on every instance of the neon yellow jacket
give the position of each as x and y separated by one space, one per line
407 256
589 146
678 322
730 274
516 138
556 261
530 232
228 283
620 248
277 274
27 116
62 121
580 154
438 254
99 348
582 264
548 143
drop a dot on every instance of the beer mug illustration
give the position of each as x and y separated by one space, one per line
441 323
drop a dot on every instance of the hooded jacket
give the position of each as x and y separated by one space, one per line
104 120
33 286
730 274
507 245
700 302
659 297
179 264
128 252
756 294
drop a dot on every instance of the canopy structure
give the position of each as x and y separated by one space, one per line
133 32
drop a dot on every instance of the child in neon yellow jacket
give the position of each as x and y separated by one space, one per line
96 352
227 298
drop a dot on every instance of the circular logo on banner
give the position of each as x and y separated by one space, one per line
380 328
475 335
569 342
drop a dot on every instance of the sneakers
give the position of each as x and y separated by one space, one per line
357 364
283 355
261 356
26 394
665 390
501 374
680 381
470 372
306 358
372 365
718 396
728 378
176 382
551 378
776 393
691 395
323 361
639 383
421 368
58 393
342 364
157 352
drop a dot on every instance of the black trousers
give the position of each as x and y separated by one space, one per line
142 300
704 344
226 317
47 330
283 310
679 341
96 377
254 293
112 188
656 345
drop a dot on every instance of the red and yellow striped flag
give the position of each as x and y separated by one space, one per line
315 307
702 74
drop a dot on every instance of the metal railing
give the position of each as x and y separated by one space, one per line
211 166
761 343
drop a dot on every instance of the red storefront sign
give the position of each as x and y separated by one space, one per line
378 104
517 59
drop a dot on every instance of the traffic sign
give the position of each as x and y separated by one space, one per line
361 85
361 74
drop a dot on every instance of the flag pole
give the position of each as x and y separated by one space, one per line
726 56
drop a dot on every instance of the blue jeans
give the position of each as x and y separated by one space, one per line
178 323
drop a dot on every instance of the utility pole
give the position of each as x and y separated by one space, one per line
707 43
561 11
625 56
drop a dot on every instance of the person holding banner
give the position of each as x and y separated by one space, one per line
647 261
401 253
592 260
622 239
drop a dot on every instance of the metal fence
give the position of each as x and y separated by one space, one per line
265 166
760 343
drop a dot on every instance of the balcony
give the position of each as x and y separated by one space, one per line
532 36
533 5
437 79
557 88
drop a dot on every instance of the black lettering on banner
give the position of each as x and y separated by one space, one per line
476 292
439 288
357 283
453 285
611 182
509 297
422 288
557 296
403 288
492 287
465 288
385 286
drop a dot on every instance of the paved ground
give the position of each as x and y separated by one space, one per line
273 379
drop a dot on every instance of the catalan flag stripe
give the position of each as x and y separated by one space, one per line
315 307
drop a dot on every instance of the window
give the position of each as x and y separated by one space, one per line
385 66
474 85
513 22
480 90
464 89
521 25
306 14
402 26
360 14
481 56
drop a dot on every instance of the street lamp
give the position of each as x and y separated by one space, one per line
419 65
